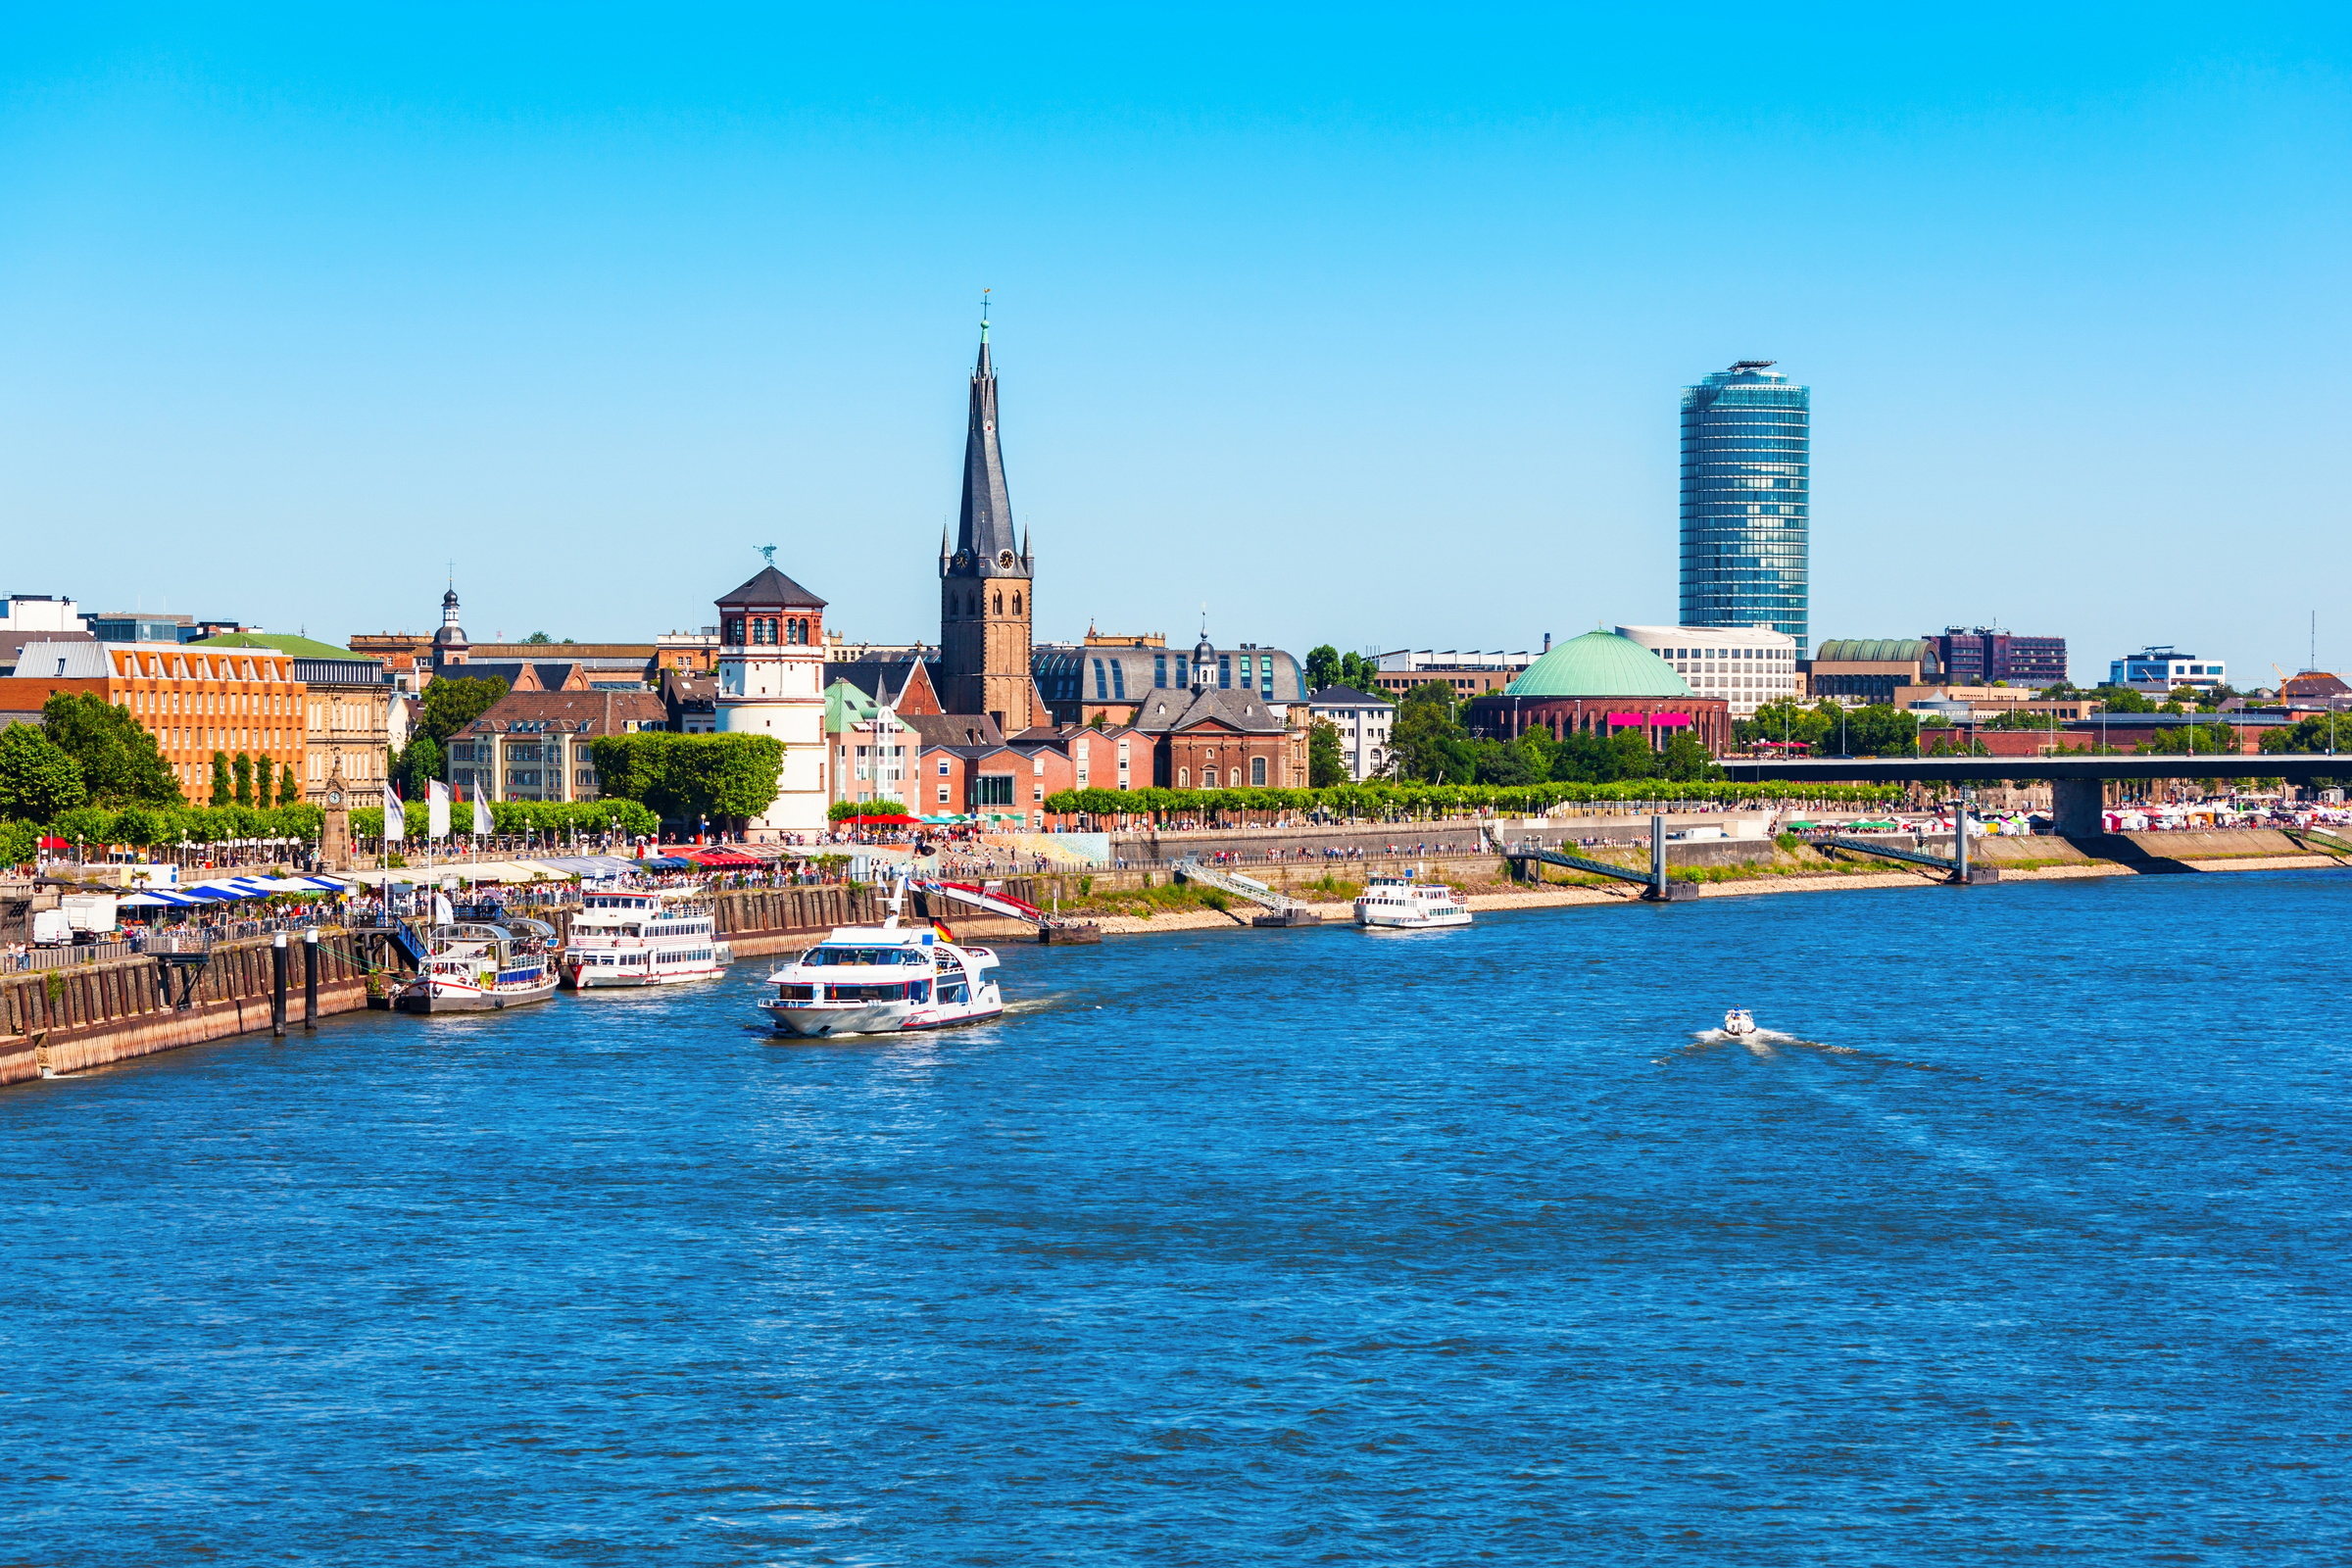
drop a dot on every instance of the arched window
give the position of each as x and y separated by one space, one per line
1000 601
804 637
1016 602
1184 778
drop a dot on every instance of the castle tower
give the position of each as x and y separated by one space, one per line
449 643
771 668
984 585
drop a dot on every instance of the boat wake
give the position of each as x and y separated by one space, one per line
1763 1042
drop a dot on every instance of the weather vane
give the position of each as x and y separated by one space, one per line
768 552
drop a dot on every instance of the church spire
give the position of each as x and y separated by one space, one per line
985 543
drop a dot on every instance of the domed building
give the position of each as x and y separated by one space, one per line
1602 683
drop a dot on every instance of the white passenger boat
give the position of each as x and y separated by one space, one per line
643 937
1738 1022
1400 903
479 966
884 979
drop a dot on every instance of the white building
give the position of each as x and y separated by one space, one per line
1364 723
2159 668
1745 665
26 614
771 670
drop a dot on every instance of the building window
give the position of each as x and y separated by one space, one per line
1102 682
1257 771
943 768
1037 792
1225 673
1184 778
1016 602
943 794
1159 669
994 789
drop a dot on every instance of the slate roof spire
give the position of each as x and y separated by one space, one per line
986 545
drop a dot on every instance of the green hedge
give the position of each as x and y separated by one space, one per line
513 818
1449 800
161 826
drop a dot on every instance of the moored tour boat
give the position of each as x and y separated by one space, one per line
483 966
650 936
1400 903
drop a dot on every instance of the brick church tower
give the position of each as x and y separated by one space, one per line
984 584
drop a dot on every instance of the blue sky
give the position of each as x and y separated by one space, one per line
1363 327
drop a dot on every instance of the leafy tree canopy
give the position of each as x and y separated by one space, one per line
453 702
37 779
1326 758
120 764
686 777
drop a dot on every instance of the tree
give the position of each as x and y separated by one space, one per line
1425 742
2123 699
415 765
241 767
686 777
289 791
225 793
120 764
454 702
1326 760
37 778
1358 671
1686 760
265 776
1322 670
541 639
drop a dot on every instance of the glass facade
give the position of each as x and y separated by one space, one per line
1747 460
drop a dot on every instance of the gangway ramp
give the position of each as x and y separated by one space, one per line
1956 868
1284 909
1654 884
1051 927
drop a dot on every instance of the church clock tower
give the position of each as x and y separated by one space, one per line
984 583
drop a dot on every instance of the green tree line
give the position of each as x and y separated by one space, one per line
1382 801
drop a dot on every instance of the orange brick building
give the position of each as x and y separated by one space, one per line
194 701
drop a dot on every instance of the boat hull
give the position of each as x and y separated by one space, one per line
807 1021
1372 920
468 998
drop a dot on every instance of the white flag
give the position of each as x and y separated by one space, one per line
396 816
481 814
436 809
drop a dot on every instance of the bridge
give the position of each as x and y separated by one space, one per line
2076 778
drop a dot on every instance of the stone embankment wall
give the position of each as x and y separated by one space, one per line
87 1016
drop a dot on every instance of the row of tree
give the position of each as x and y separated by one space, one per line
1428 744
1382 801
551 819
83 751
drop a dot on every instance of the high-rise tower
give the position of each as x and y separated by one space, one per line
984 584
1747 464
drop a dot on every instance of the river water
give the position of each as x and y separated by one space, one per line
2029 1236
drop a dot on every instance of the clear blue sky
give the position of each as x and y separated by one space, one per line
1365 326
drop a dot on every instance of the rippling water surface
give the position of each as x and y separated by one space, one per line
2027 1236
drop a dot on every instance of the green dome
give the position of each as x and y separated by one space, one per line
1600 664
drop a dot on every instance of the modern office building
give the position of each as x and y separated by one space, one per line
1988 654
1469 671
1747 504
1744 667
1870 670
2159 668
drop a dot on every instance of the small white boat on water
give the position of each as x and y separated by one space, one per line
1401 903
643 937
884 979
1739 1023
481 967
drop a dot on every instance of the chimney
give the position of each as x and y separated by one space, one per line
1548 642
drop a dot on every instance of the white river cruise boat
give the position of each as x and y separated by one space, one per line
483 966
651 937
884 979
1400 903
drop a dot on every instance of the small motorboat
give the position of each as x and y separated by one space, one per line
1739 1023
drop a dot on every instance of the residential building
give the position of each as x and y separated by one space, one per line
1987 653
771 664
873 751
691 701
1467 672
1747 502
1746 667
2160 668
193 700
537 746
404 654
351 716
1363 722
985 584
1860 672
1604 684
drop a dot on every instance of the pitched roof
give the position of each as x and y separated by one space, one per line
1346 696
884 678
1237 710
773 587
953 730
587 713
985 546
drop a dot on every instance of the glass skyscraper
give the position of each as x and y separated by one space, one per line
1747 458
